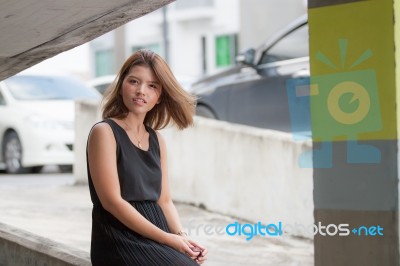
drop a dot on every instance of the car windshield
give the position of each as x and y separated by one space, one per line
293 45
48 88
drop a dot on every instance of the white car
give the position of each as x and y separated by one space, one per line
37 121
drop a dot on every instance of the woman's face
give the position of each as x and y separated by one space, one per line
141 90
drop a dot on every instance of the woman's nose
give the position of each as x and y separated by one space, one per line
140 89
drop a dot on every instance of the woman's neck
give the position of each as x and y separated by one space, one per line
134 122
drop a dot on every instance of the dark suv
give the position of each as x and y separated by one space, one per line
254 91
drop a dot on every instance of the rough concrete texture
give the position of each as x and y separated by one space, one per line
19 247
51 207
33 31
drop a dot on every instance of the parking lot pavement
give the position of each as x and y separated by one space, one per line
50 206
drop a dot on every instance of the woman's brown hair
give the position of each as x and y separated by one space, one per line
175 103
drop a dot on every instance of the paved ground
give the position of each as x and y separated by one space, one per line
50 206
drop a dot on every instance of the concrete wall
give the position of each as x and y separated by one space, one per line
237 170
18 247
241 171
86 115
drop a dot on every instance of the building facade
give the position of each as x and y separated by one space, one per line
196 37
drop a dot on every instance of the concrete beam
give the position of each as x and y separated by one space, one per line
26 36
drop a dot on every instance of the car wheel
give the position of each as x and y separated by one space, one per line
12 153
65 168
205 112
36 169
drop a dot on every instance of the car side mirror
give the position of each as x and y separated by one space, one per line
247 57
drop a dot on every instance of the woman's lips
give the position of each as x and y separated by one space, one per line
139 100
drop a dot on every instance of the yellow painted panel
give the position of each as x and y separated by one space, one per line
397 57
352 62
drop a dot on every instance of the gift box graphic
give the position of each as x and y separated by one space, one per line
342 104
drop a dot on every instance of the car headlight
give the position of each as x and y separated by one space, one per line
43 122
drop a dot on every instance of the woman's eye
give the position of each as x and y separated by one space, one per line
133 81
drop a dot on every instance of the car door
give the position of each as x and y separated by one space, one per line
5 116
258 97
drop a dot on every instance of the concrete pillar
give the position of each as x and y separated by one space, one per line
119 47
354 123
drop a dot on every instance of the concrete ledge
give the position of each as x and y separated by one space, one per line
19 247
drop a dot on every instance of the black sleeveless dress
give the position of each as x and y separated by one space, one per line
139 175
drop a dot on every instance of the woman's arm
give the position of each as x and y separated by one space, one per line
165 200
167 205
103 168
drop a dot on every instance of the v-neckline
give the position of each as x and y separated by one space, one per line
126 134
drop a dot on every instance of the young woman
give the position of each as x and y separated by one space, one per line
134 221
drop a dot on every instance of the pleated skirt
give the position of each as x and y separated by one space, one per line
115 244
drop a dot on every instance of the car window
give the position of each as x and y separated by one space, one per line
48 88
102 87
293 45
2 100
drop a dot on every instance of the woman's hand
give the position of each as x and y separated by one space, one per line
182 244
202 256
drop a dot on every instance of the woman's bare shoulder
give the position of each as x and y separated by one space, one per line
102 130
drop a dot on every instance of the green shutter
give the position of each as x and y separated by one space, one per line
223 50
104 63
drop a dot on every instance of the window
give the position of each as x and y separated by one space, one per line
225 50
104 62
155 47
293 45
181 4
